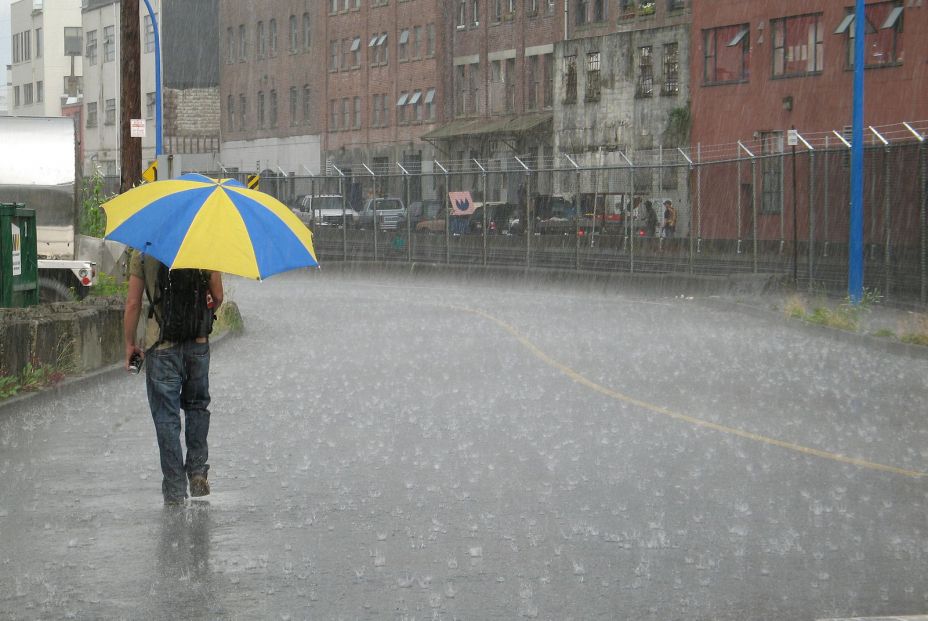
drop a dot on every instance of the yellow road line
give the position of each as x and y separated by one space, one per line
698 422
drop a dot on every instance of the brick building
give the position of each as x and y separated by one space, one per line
760 68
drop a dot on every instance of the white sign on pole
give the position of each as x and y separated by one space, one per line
137 128
792 137
17 252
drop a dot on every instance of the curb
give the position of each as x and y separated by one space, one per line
910 618
843 336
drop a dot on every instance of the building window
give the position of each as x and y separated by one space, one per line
27 94
272 37
109 44
798 47
91 111
416 39
590 11
357 113
90 52
242 43
294 35
883 39
333 115
261 41
671 85
230 113
645 72
498 10
273 108
346 114
242 109
346 54
726 54
548 65
475 13
459 90
333 6
38 43
39 91
401 108
549 8
531 79
402 52
307 32
462 14
473 79
149 35
294 104
261 110
676 5
570 79
149 105
771 144
510 84
110 115
430 105
306 105
592 77
385 110
531 7
230 45
356 52
430 40
333 55
375 111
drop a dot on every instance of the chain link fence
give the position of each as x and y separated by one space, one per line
744 208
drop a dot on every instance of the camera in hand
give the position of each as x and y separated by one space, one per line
135 363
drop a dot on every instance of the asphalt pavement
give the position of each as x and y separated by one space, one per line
400 448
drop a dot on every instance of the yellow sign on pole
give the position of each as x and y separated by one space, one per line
151 173
253 181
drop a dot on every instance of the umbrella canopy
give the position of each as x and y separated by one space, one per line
197 222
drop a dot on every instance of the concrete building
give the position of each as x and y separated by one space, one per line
189 58
622 85
46 64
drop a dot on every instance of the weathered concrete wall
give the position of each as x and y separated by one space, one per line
78 335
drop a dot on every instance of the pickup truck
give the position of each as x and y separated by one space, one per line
324 210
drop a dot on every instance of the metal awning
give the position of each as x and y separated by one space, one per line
738 37
506 125
415 98
429 96
402 99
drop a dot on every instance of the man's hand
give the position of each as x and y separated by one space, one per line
130 351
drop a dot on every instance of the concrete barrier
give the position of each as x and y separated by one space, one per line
79 336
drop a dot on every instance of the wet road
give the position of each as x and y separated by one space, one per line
416 449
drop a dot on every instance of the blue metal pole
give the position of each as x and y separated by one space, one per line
855 257
159 147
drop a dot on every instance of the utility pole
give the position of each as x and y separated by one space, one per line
130 97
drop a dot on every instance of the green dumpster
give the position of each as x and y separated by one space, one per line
19 282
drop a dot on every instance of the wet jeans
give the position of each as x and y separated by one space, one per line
178 377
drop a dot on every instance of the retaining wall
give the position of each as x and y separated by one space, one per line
82 336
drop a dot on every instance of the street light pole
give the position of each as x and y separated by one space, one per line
159 146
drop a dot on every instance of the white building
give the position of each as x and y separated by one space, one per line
102 73
46 56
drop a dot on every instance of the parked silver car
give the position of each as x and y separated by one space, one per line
389 213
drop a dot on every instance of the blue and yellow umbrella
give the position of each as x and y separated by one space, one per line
197 222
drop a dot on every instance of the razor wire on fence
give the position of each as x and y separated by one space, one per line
758 206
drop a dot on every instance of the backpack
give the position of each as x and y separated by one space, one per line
183 314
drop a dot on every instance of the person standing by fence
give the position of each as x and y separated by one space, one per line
670 219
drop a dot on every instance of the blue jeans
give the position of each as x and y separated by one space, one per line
178 377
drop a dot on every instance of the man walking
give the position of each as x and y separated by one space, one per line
177 376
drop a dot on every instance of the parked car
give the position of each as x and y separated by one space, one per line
427 209
324 210
499 217
389 213
458 225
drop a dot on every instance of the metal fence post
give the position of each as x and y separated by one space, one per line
630 214
406 178
698 200
375 224
483 178
754 210
343 193
811 258
447 201
528 213
577 213
825 197
886 215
